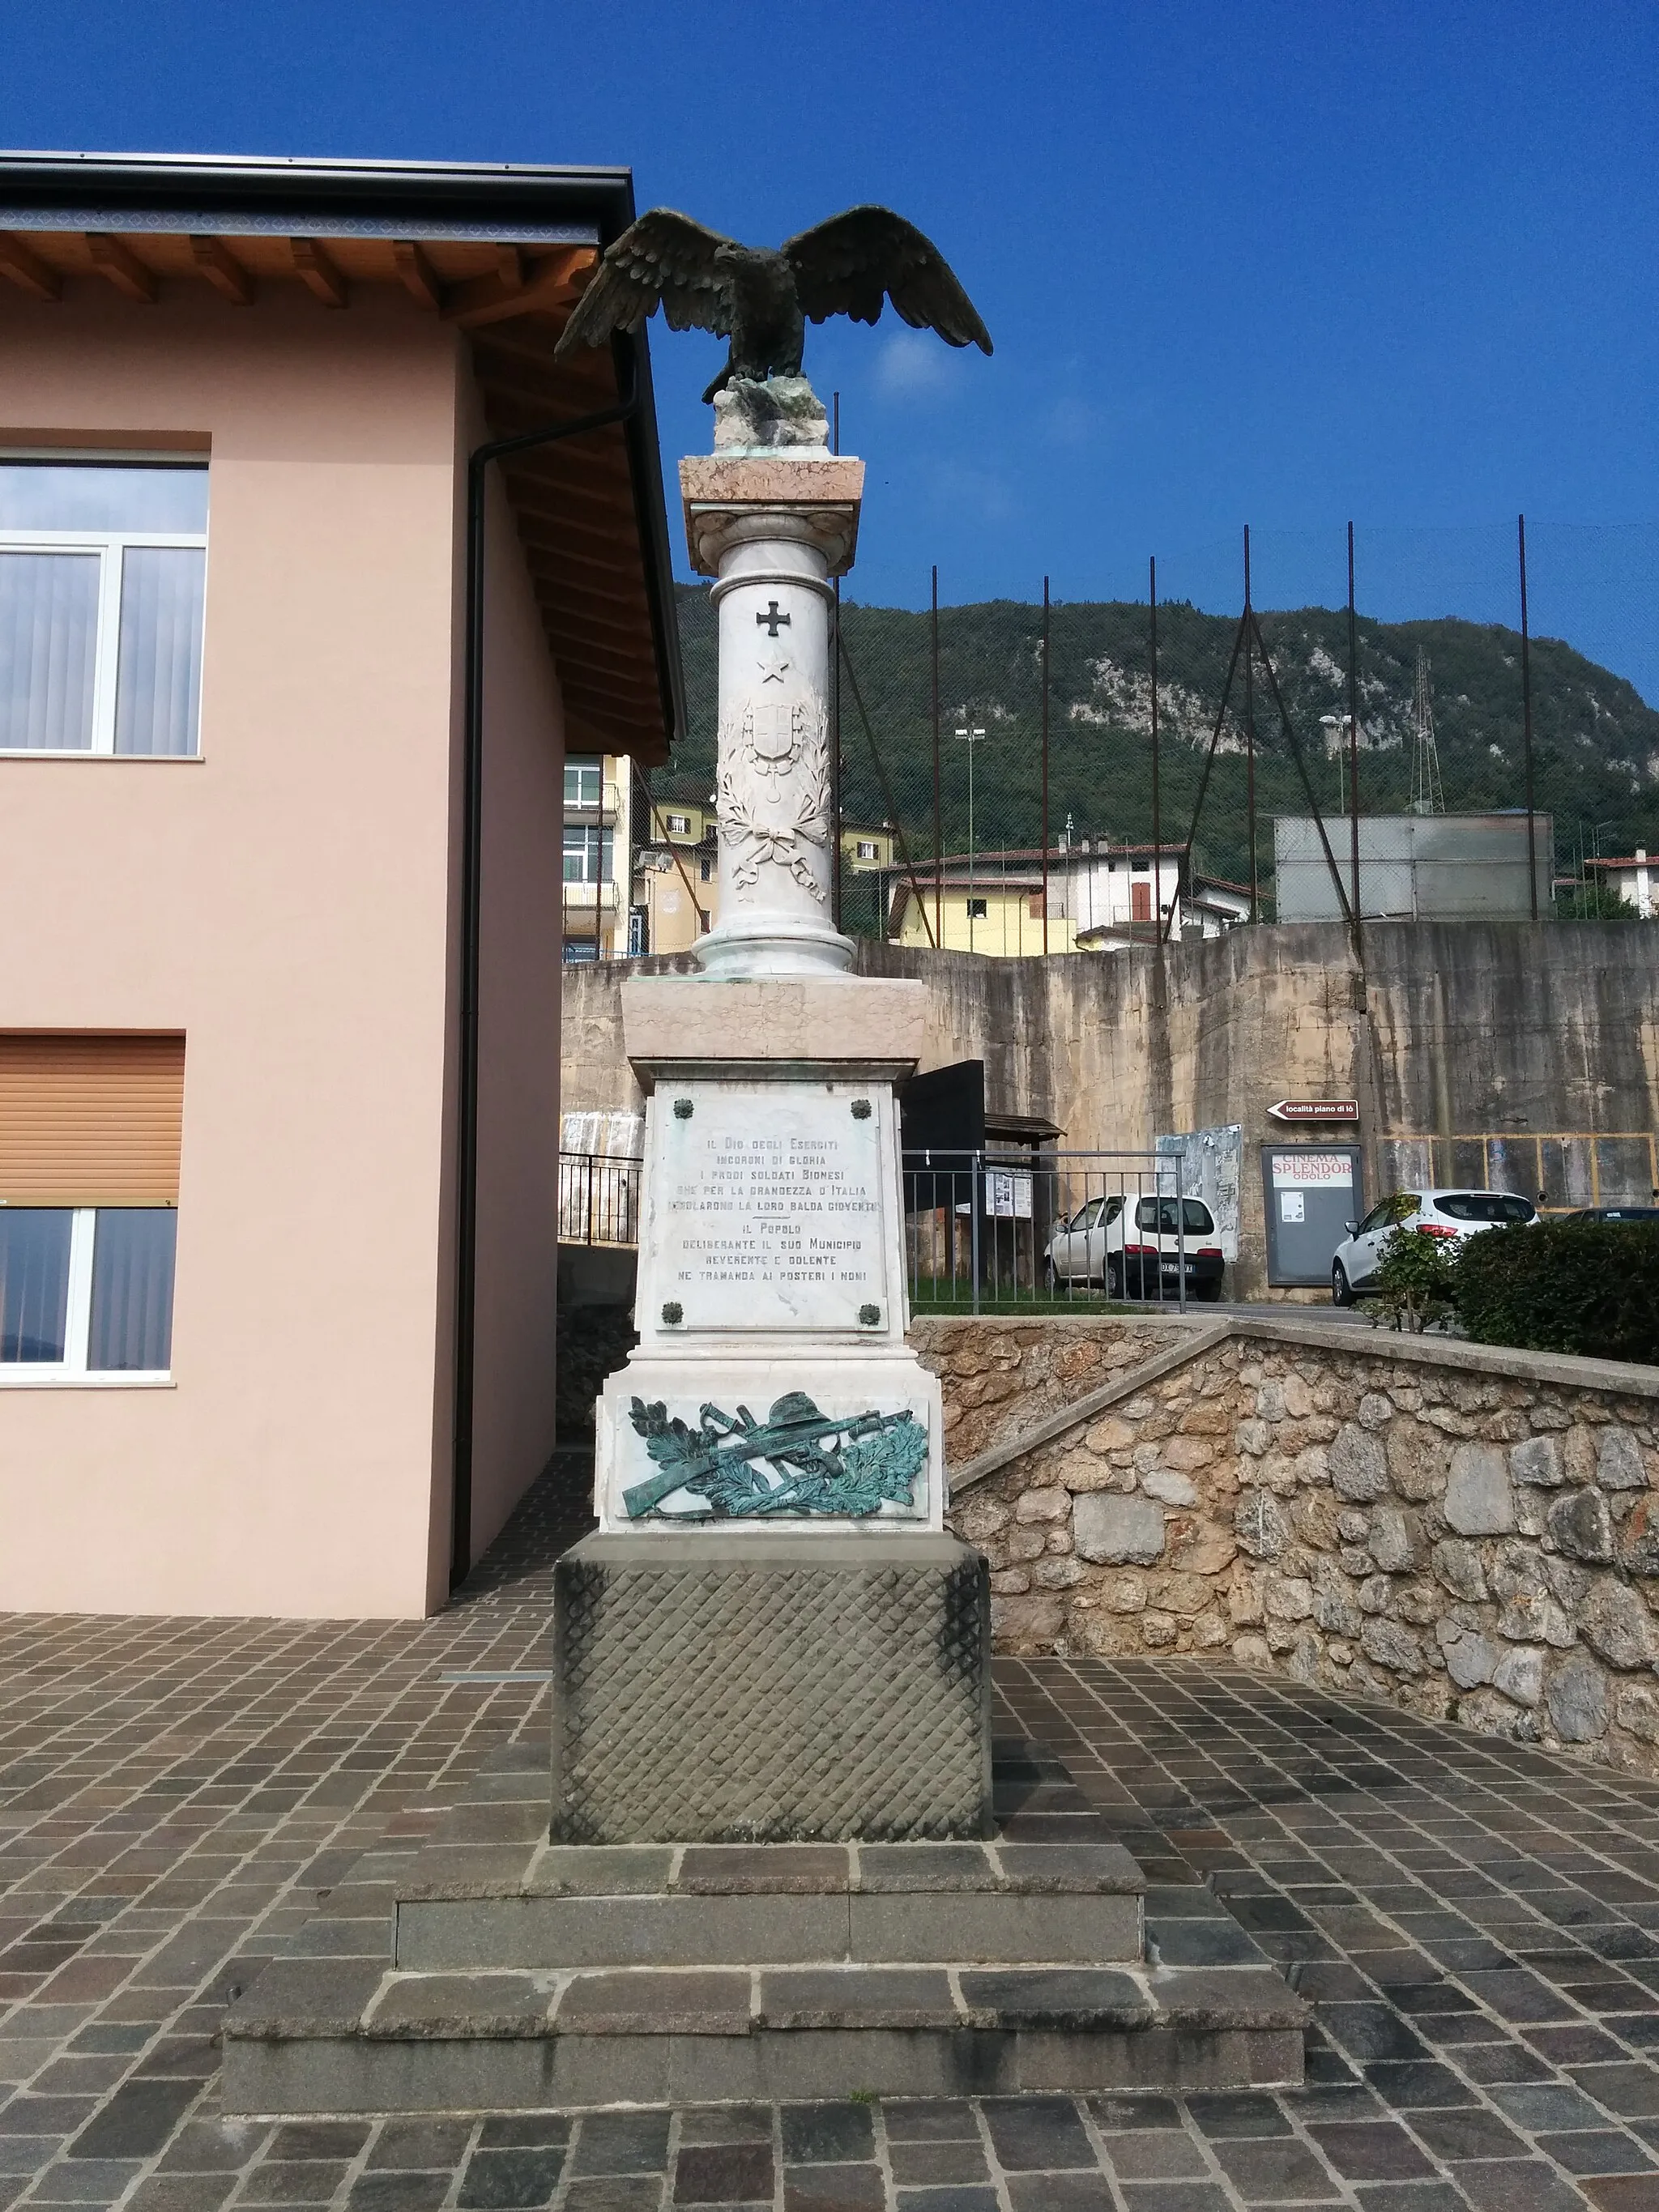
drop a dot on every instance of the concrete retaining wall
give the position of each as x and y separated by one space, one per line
1450 1031
1471 1534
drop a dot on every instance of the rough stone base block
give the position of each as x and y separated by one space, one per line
770 1688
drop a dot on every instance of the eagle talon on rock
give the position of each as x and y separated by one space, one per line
761 299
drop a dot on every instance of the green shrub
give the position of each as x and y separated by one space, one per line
1590 1287
1415 1279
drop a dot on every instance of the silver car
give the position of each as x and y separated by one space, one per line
1450 1215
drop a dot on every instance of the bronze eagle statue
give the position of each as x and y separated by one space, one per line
762 297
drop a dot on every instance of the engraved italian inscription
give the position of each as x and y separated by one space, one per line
770 1211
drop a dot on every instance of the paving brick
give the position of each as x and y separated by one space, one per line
1332 1827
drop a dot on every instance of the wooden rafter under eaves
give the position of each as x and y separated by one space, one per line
591 567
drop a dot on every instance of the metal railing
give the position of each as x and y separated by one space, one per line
996 1228
598 1199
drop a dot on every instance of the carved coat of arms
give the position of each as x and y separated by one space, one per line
774 794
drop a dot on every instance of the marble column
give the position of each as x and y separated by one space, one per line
773 530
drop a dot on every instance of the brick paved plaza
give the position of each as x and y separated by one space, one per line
1478 1922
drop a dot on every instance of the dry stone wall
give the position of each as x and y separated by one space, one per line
1473 1535
1000 1376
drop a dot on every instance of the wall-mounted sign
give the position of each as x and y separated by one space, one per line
1310 1170
1314 1109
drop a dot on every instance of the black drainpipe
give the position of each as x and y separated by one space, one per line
466 1118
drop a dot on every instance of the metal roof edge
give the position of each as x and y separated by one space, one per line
214 188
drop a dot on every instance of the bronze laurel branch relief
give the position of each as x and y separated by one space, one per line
798 1460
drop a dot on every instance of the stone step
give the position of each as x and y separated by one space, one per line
489 1890
574 1906
353 2036
491 1969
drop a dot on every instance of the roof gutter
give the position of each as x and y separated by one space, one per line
627 410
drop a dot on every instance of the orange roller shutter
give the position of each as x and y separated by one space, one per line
90 1121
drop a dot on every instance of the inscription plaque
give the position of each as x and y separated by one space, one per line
770 1207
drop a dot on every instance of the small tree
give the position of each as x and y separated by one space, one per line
1415 1279
1594 902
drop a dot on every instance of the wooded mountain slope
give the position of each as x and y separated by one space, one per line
1595 742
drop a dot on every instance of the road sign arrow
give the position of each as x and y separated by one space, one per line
1314 1109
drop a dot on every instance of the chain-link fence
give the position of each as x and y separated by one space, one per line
1017 777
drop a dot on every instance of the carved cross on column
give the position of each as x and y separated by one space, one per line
772 621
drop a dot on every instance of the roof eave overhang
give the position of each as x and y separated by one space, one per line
538 206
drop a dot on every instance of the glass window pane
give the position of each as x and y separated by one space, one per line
48 648
158 688
35 1258
77 495
132 1288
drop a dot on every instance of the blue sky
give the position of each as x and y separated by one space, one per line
1282 263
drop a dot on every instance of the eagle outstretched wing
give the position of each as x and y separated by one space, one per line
845 266
665 257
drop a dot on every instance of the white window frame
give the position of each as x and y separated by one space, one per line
676 825
595 842
580 770
110 546
34 1374
867 849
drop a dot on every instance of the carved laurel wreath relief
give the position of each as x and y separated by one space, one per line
774 789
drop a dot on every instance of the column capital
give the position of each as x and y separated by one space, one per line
818 499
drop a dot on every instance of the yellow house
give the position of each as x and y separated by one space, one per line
1100 897
998 915
598 813
676 866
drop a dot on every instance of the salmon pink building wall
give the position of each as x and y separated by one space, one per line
289 901
519 1040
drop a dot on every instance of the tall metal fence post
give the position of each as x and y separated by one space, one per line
1250 737
1526 730
1045 765
1353 741
938 801
977 1181
1158 817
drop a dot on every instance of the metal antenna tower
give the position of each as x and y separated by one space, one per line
1427 797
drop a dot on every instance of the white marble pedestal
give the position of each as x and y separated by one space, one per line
772 1305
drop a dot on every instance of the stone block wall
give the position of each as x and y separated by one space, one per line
1471 1533
1000 1376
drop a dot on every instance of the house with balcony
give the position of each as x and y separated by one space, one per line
315 570
598 840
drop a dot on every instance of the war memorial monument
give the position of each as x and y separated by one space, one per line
772 1850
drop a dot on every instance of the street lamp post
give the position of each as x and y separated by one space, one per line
971 737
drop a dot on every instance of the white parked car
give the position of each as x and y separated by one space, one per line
1452 1215
1134 1247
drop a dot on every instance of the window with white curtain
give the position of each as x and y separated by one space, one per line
103 571
86 1290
